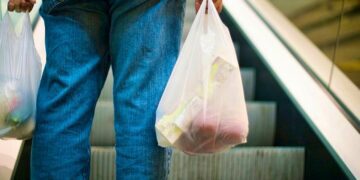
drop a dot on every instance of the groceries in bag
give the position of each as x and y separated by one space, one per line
20 72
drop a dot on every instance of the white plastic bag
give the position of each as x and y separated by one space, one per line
20 72
202 109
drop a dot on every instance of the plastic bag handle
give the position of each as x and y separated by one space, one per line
203 7
207 5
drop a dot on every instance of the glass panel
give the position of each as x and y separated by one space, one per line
347 56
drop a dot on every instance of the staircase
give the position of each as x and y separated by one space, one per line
258 159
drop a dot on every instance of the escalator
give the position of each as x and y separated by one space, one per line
283 143
319 21
280 144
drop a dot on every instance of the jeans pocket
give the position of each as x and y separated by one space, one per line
48 5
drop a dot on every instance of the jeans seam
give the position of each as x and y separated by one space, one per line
52 5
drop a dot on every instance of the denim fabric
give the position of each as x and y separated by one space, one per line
140 41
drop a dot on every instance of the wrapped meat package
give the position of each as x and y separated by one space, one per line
202 109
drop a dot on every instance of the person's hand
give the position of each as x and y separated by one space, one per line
21 5
218 4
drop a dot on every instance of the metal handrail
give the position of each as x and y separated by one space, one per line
323 115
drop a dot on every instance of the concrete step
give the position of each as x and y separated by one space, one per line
240 163
262 119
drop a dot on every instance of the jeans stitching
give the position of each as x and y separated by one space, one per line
52 5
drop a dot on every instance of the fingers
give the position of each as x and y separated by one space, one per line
21 5
11 5
197 5
218 5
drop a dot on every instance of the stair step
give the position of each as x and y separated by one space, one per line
240 163
247 74
107 92
102 132
262 119
102 165
248 77
262 122
237 163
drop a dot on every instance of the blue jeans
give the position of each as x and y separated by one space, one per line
140 41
